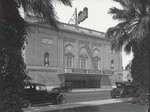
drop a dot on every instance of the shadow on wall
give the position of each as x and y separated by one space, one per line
45 78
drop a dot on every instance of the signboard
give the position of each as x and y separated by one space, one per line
84 71
82 15
93 71
78 71
46 41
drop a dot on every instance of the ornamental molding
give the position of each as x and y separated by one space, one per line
69 54
83 56
96 58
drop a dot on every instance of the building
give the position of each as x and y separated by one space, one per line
126 75
71 54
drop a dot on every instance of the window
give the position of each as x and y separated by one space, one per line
46 59
83 63
96 64
112 64
69 61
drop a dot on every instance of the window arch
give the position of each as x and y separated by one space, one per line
46 59
83 50
96 51
69 48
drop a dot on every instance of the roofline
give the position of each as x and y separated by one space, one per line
42 24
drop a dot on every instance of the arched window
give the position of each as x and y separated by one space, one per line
96 62
112 64
69 60
83 58
46 59
83 63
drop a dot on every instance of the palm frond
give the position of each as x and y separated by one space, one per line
128 47
117 13
124 3
43 8
122 14
141 30
134 26
120 40
66 2
118 36
116 29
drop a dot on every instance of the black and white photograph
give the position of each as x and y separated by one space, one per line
74 55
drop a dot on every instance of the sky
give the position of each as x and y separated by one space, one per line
98 17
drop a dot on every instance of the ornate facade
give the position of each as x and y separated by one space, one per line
71 54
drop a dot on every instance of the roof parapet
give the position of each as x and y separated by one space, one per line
39 20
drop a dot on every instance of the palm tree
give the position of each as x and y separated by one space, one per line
132 33
12 39
133 26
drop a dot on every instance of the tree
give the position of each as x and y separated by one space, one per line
133 34
12 38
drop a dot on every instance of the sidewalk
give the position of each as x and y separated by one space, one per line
90 89
108 105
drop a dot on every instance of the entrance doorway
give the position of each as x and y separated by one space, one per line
86 82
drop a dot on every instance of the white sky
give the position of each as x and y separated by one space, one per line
98 17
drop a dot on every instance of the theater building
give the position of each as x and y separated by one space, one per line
71 54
